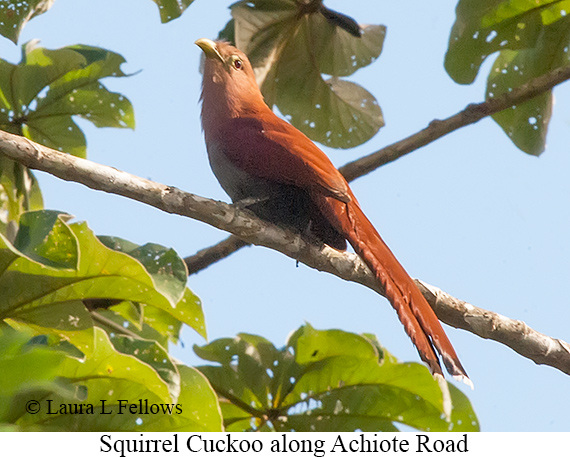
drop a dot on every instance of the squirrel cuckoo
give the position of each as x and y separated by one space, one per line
261 159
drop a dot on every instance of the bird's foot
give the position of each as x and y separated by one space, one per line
249 201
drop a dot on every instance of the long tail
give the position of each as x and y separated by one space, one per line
418 318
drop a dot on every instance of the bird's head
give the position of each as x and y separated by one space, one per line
229 81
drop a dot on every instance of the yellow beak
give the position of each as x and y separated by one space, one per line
210 49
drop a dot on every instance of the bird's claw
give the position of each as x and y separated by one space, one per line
249 201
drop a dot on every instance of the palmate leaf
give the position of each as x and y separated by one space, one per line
533 39
293 46
25 368
19 192
44 288
40 95
326 380
153 354
127 390
14 14
527 124
169 273
483 27
165 266
146 322
45 237
171 9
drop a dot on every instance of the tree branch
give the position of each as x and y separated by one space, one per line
540 348
438 128
207 256
243 224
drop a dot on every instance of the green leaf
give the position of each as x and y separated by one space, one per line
107 362
44 237
198 403
121 392
151 353
170 274
341 54
527 123
130 312
16 13
292 45
462 412
146 322
325 381
64 135
483 27
533 39
228 33
25 368
339 103
68 321
188 310
19 192
316 345
171 9
106 375
36 285
167 269
40 95
38 68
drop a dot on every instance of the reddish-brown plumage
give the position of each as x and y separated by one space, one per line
255 154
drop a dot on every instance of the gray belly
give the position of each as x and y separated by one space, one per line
281 204
237 183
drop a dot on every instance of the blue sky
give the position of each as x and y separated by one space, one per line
469 213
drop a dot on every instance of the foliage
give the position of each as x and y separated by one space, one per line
16 13
58 281
86 321
27 368
532 39
116 388
53 267
19 192
64 287
38 99
292 45
326 381
171 9
39 96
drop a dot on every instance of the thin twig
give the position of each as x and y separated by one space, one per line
245 225
438 128
207 256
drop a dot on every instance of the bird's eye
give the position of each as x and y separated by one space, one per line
238 64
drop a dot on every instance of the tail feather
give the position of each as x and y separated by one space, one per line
418 318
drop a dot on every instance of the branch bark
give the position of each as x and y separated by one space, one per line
243 224
540 348
438 128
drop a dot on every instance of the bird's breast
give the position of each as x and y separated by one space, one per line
237 183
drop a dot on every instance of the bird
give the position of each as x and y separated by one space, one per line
266 164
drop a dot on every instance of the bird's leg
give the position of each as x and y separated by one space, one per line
308 233
250 201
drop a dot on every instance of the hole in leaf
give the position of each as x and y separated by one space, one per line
492 35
